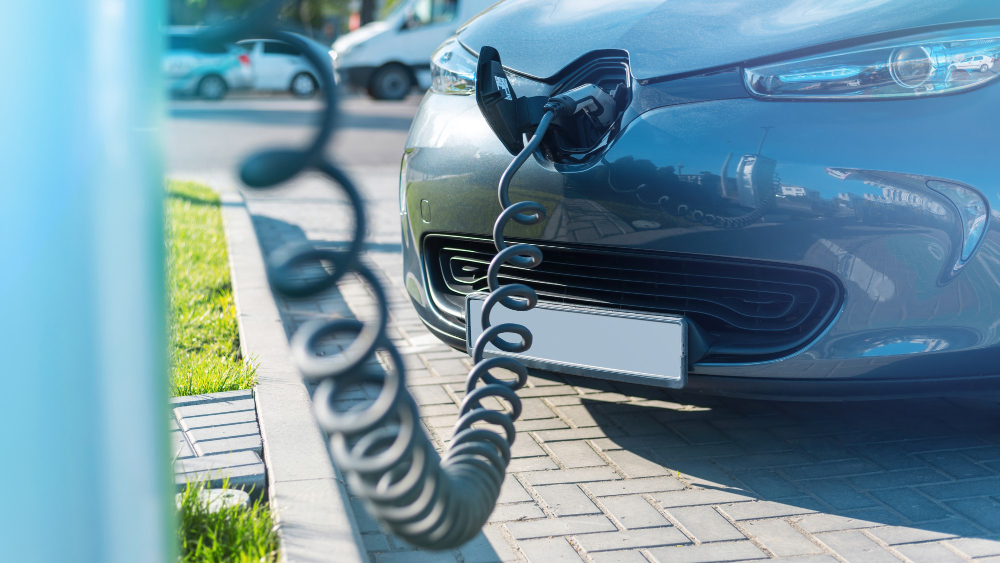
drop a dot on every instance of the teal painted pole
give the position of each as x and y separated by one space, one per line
85 465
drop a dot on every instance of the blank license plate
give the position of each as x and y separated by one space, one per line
635 347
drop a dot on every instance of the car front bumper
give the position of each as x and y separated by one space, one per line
852 201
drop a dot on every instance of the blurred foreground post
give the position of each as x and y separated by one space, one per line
85 465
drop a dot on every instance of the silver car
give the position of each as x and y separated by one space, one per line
205 69
280 67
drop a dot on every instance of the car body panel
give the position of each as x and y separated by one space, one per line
895 263
666 38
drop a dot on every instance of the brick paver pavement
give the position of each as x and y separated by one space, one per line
610 472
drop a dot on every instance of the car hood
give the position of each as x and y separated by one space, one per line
539 37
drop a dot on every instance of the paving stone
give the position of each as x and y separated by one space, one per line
855 546
574 455
582 475
512 491
706 524
633 512
908 478
699 432
758 461
635 465
890 456
243 470
570 525
632 539
567 500
526 447
781 538
827 470
929 553
244 402
956 466
768 484
226 431
547 436
822 448
815 523
911 505
237 444
895 535
179 447
519 511
983 511
709 553
767 509
531 464
549 551
488 546
633 486
838 494
205 421
695 497
414 557
619 557
976 547
758 440
965 489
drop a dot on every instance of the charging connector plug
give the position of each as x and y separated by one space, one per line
598 105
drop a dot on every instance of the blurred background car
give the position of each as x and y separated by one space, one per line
280 67
204 69
388 58
982 63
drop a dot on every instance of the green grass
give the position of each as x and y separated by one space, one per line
204 337
237 534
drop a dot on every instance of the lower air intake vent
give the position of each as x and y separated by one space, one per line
750 311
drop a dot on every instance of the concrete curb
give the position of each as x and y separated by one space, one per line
307 494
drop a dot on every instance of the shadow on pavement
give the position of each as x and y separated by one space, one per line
926 464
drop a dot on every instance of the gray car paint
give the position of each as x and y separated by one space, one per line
539 37
909 317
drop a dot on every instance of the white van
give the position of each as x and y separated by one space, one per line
387 58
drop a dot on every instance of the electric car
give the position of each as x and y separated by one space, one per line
808 191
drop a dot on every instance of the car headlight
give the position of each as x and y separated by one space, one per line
453 69
929 64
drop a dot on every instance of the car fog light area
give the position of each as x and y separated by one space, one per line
973 210
453 70
929 64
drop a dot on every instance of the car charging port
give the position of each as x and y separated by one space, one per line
575 134
584 115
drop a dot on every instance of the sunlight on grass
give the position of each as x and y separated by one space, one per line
204 337
239 534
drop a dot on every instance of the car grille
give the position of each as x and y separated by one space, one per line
749 311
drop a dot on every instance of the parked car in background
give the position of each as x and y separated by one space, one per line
387 58
208 70
280 67
982 63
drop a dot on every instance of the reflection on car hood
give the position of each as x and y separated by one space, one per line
539 37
